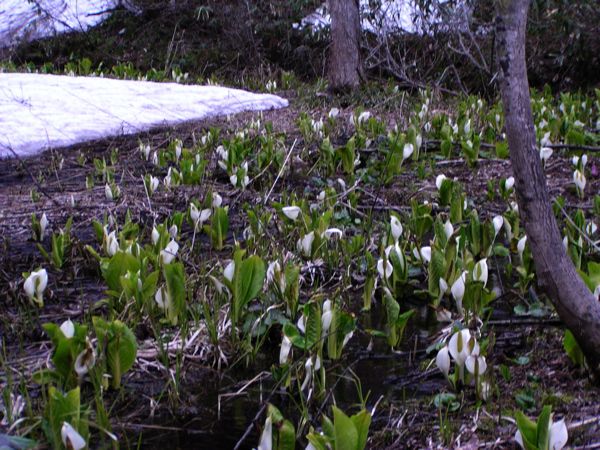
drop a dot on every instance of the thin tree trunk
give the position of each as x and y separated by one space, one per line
574 302
344 52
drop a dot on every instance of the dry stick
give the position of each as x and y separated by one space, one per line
287 157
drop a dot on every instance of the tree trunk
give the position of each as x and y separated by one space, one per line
344 52
574 302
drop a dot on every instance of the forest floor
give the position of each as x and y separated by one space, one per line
404 384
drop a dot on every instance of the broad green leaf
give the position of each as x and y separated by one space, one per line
345 433
362 422
313 324
572 349
175 276
543 427
293 335
252 273
528 429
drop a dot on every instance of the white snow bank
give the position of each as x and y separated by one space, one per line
29 20
397 16
38 112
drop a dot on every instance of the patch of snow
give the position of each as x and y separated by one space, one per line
39 112
396 16
23 20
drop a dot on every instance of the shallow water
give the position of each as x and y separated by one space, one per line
380 372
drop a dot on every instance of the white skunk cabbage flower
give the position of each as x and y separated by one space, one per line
591 228
273 269
407 151
155 236
396 228
545 154
85 360
266 438
229 271
301 324
330 233
71 438
327 316
467 127
286 347
153 184
497 221
583 161
291 212
426 254
217 200
305 244
112 244
43 226
333 113
194 213
448 229
476 365
521 246
480 272
170 252
68 329
442 360
443 284
35 285
458 290
462 345
363 117
108 192
509 183
439 180
579 180
163 298
558 436
384 268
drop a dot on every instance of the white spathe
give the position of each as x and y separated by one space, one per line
68 329
442 360
439 180
71 438
35 285
229 271
170 252
480 271
291 212
284 351
396 228
37 111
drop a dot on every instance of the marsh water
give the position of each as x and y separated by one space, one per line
218 417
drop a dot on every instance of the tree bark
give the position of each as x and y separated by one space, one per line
556 275
344 65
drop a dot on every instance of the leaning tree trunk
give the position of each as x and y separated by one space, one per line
344 52
574 302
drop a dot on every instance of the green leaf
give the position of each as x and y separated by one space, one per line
175 278
573 350
293 335
16 443
287 436
252 275
117 266
543 427
120 346
313 324
345 433
362 422
528 429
